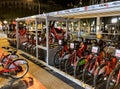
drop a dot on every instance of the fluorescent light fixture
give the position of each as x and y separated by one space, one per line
119 18
84 24
114 20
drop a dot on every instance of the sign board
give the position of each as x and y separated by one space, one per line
72 45
117 53
95 49
60 42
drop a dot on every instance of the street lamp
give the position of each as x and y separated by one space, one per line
38 6
5 22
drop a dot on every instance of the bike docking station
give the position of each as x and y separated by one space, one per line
41 48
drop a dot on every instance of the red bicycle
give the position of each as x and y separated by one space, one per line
55 33
61 52
113 81
25 40
74 57
90 67
79 57
103 71
13 68
30 43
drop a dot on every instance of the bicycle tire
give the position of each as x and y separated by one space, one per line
85 70
69 68
63 60
95 81
56 58
113 73
18 62
78 67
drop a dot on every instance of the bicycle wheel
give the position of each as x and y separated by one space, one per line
79 67
18 68
52 38
111 82
63 60
70 65
98 77
57 58
86 74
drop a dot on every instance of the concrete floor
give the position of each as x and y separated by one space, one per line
42 78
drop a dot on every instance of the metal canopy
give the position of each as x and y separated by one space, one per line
99 10
40 17
95 13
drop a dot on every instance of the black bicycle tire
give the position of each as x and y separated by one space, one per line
55 57
63 60
110 76
76 67
86 67
23 74
66 65
96 75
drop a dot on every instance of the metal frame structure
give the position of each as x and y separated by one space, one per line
65 15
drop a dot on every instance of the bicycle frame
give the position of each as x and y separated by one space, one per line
7 62
5 70
95 60
64 49
57 36
73 58
118 78
75 53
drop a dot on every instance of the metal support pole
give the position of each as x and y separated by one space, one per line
47 40
36 29
8 31
17 36
38 1
98 25
67 28
39 7
79 33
